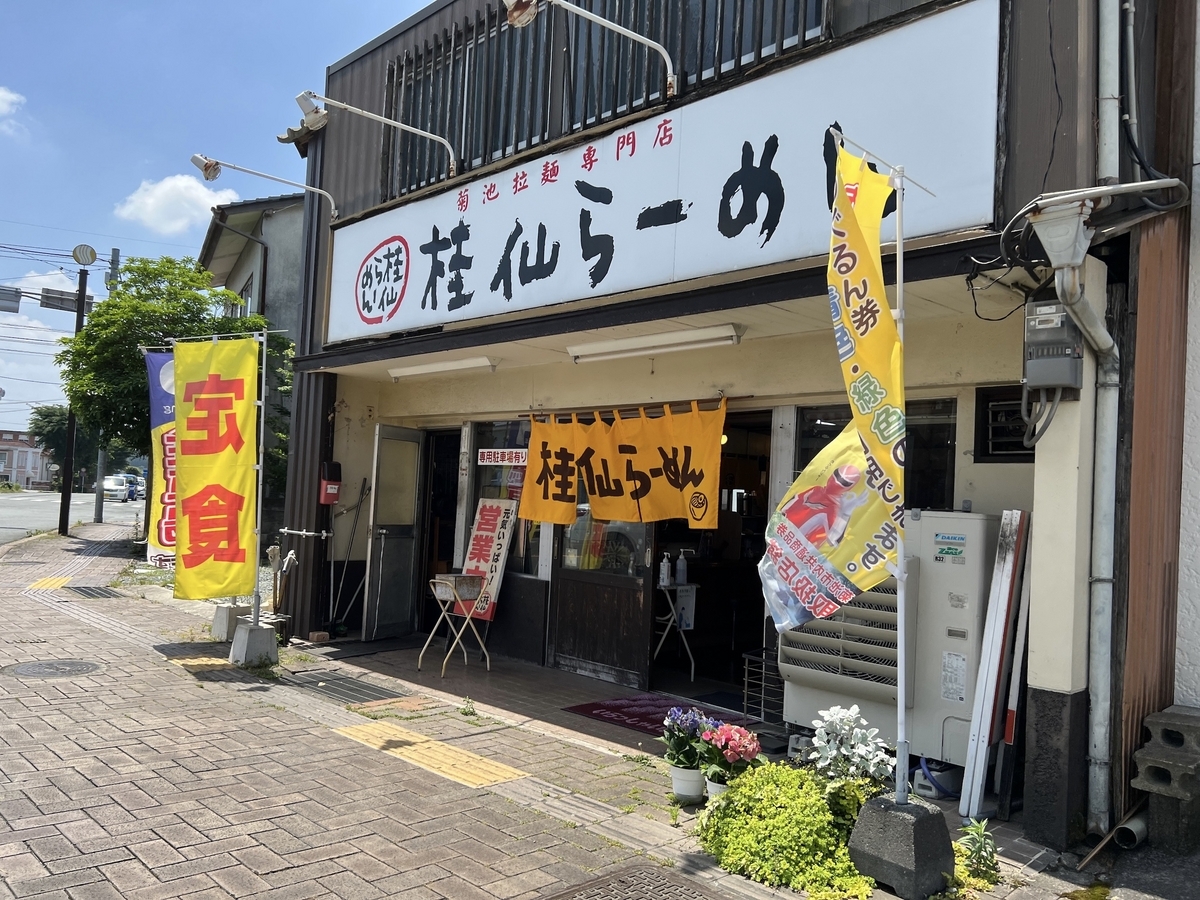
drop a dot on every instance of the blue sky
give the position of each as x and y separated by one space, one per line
101 107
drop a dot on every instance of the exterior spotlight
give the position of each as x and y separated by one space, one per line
315 117
211 168
521 12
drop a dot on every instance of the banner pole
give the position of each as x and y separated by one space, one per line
902 661
262 443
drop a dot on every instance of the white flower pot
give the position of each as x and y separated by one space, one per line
715 789
687 784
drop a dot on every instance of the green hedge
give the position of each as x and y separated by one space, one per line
780 825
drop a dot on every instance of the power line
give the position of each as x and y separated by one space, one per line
97 234
26 380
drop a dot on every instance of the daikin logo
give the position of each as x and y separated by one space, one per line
960 539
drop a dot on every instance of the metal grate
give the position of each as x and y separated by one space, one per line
495 90
854 650
639 883
338 687
762 686
95 593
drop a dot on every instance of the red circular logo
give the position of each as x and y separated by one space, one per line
382 278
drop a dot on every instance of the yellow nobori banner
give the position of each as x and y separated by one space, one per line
872 360
216 428
637 469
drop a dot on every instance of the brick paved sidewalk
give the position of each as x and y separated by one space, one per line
149 779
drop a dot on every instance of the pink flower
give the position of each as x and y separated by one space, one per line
732 755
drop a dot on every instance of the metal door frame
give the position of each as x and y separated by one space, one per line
420 438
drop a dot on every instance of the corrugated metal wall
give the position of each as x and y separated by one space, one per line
1154 487
1159 277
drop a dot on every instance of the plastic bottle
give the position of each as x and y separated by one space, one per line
681 569
664 571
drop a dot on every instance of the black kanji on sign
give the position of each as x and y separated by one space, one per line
541 267
459 235
594 245
641 480
753 182
599 484
437 268
503 274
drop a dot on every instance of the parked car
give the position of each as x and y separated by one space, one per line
141 488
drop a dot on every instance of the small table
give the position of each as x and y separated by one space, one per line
453 593
671 620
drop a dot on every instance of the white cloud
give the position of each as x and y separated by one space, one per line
173 205
10 101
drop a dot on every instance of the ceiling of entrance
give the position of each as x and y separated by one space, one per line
937 298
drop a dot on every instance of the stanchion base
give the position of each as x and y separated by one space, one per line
905 847
254 646
225 620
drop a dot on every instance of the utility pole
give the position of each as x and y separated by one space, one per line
114 268
85 256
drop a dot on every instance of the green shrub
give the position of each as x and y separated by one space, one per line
9 487
775 826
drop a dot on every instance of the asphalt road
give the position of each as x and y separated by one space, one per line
30 511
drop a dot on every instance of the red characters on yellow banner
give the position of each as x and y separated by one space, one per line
637 469
216 426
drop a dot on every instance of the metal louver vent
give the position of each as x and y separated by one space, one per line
851 652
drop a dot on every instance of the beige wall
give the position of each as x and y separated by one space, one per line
355 416
755 374
946 357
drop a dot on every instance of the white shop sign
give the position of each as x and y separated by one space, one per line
503 457
662 200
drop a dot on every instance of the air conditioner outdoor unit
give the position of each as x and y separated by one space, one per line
850 658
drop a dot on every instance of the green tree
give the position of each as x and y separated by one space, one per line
48 427
156 300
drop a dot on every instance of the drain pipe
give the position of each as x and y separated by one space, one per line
1063 234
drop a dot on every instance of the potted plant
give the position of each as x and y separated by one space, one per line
727 751
681 734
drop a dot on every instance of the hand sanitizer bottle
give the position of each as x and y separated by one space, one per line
681 569
664 571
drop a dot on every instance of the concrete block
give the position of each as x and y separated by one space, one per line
225 620
907 848
254 646
1176 727
318 637
1175 824
1170 773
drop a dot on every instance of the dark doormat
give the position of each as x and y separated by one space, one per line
335 686
644 712
640 883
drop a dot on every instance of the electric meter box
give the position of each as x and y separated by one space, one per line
1053 347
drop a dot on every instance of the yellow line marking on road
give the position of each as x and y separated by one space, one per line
202 662
50 584
453 763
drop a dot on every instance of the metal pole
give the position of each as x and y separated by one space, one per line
68 482
901 568
101 465
262 443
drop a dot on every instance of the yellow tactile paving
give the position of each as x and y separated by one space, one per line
50 584
453 763
202 662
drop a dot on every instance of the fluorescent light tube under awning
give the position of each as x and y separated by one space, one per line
446 365
653 344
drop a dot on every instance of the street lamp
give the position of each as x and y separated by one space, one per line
315 118
211 169
522 12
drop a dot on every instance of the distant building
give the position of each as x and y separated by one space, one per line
22 461
254 248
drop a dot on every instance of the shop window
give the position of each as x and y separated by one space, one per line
929 474
999 429
616 548
505 482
